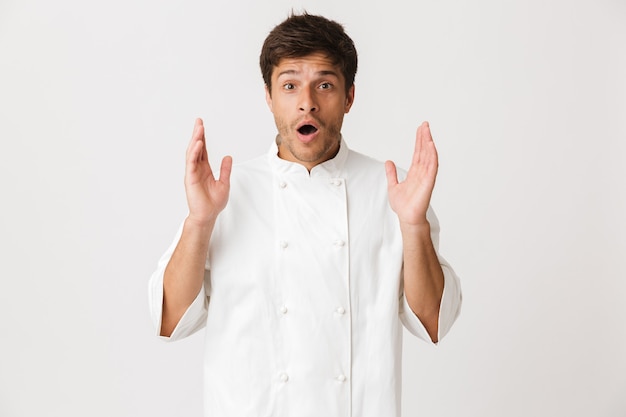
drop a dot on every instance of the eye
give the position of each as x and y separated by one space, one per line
288 86
325 86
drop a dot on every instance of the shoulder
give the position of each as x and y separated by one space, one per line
250 181
250 173
357 162
250 187
361 165
255 166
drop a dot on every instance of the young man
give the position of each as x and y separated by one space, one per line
303 263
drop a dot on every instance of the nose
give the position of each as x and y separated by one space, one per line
307 102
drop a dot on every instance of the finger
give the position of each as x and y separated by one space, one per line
199 127
419 139
429 145
197 135
195 158
392 174
425 151
225 169
195 153
425 132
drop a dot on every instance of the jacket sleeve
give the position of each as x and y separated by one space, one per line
195 316
451 300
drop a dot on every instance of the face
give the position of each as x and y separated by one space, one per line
308 100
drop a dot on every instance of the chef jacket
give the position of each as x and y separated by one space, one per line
302 298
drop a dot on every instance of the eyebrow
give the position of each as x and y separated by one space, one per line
319 73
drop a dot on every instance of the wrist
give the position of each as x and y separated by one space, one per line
415 235
200 224
415 227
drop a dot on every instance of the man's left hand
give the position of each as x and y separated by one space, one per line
410 198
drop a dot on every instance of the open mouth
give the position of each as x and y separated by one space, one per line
307 130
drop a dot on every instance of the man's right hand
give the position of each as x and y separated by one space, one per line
206 196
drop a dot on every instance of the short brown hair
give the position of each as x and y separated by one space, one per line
305 34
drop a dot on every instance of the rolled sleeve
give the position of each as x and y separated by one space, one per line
449 308
451 299
194 317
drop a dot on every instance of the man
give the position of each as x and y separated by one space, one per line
303 263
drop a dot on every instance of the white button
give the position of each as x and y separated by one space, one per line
340 310
336 182
284 377
341 377
282 184
283 310
283 244
339 242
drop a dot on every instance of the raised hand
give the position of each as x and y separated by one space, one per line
206 196
410 198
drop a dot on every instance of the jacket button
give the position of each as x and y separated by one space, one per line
341 377
284 377
340 310
283 310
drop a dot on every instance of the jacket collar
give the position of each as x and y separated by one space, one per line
331 168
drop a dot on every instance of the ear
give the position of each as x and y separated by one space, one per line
349 99
268 98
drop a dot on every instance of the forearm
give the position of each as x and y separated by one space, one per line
184 273
423 276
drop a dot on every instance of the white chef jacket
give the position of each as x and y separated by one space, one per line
302 297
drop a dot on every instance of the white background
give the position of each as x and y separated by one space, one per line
527 103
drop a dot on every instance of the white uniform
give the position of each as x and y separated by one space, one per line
302 298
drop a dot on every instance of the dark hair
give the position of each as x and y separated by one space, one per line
305 34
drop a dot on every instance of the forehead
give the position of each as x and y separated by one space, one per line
316 63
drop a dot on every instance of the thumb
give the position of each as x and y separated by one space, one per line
225 168
392 173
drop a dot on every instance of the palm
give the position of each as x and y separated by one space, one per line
410 198
206 196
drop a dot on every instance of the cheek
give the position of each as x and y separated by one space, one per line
281 123
279 108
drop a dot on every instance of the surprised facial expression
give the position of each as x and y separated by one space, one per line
308 99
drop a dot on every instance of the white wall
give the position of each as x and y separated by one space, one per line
527 102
